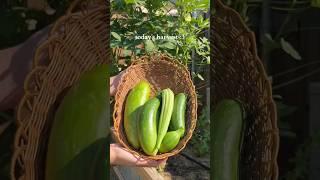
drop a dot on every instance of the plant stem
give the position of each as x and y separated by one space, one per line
294 69
296 79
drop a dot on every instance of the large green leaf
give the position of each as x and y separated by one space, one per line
130 1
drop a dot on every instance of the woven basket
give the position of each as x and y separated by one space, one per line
161 72
237 73
77 42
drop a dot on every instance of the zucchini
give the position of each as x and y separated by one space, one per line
135 100
147 126
78 137
228 124
165 116
178 115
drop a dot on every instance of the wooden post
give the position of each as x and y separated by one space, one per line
137 173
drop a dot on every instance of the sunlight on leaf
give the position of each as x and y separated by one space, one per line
116 35
149 46
187 17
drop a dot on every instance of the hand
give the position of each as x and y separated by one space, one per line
121 156
114 83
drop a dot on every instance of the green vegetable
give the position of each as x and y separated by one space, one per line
78 137
227 132
178 115
170 141
147 126
165 116
135 100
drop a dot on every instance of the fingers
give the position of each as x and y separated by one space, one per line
124 157
150 162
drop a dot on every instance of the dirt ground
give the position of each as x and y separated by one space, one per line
182 168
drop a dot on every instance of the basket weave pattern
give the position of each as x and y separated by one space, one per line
237 73
161 72
76 43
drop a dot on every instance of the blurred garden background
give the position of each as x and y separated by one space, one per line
288 38
188 21
19 20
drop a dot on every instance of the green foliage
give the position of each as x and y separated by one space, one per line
143 27
201 137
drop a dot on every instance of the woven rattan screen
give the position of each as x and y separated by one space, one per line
237 72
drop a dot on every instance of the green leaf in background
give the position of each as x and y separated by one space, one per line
167 45
208 59
130 1
315 3
116 35
198 75
288 48
269 43
187 17
149 46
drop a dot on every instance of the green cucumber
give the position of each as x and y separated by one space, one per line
135 100
167 103
178 115
78 137
147 126
170 141
228 124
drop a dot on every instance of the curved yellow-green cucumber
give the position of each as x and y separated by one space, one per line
228 123
147 125
167 102
170 141
135 100
178 115
78 136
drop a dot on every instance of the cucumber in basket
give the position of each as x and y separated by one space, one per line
228 127
177 124
78 137
137 97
